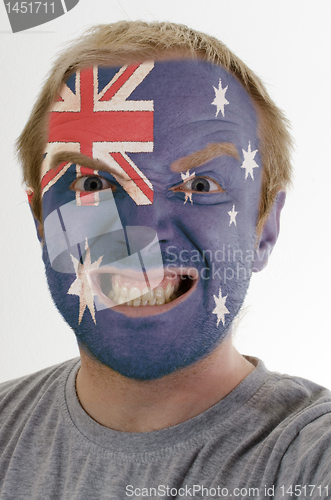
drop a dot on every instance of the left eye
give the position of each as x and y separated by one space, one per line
91 183
201 185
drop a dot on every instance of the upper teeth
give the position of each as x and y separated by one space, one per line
134 296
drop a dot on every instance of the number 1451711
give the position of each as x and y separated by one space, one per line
30 7
306 490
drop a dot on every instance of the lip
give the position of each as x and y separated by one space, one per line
154 276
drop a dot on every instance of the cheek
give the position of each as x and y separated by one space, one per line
221 252
59 284
211 228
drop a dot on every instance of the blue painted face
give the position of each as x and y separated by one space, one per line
149 249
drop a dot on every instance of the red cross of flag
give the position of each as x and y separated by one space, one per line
108 126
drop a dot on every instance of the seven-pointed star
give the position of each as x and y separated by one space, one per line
233 215
220 100
186 177
249 162
221 310
81 285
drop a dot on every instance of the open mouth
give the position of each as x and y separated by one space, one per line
126 293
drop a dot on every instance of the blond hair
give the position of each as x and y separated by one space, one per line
131 41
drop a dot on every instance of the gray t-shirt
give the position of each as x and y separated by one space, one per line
269 438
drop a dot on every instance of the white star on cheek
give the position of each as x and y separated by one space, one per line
81 286
249 162
233 215
221 310
220 100
188 196
185 178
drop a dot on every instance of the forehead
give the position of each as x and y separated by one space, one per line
194 98
162 101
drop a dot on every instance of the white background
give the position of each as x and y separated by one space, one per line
288 44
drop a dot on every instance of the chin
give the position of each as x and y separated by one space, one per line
146 342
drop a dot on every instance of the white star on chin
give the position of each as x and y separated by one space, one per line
221 310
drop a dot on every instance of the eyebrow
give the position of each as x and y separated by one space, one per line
199 158
194 160
78 158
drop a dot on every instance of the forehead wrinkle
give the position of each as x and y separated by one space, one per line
199 158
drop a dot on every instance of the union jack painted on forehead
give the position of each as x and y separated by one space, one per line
110 126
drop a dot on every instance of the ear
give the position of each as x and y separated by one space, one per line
269 234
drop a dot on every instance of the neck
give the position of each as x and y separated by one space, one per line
129 405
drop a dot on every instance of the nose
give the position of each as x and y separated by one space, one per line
147 230
158 216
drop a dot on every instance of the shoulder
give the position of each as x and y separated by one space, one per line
307 406
283 407
18 397
287 397
297 413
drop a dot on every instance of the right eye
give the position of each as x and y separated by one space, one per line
92 183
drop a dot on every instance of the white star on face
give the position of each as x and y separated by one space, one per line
220 100
249 162
81 285
221 310
186 177
233 215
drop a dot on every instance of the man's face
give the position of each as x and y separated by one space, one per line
153 250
